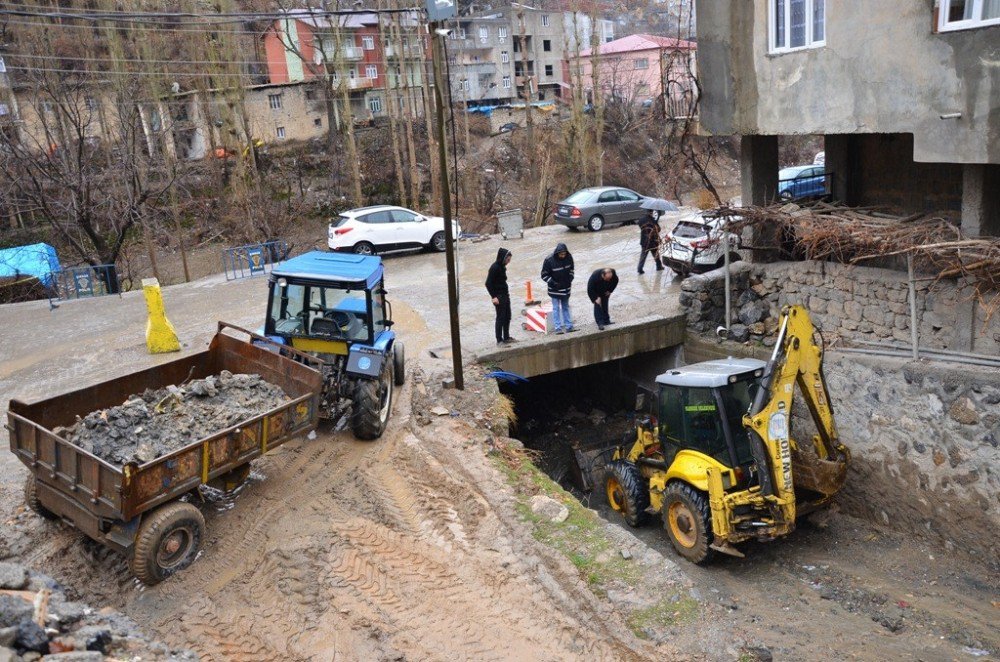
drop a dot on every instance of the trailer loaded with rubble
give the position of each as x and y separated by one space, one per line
115 460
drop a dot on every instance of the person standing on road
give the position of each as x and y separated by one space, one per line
649 239
496 285
599 288
557 272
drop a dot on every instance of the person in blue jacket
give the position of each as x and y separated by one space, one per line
557 272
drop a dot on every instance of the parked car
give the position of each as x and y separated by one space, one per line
594 208
799 182
509 126
695 245
368 230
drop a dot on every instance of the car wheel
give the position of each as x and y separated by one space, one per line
438 242
364 248
595 223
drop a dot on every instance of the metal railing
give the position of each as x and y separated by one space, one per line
83 282
252 259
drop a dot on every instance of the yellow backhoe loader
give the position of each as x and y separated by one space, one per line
714 457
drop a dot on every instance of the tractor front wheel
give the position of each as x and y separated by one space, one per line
626 491
687 518
399 363
372 403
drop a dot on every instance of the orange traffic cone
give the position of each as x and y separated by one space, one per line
528 299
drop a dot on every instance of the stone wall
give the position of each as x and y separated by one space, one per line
848 302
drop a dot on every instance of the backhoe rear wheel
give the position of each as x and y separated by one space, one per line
626 491
687 518
31 499
372 404
168 541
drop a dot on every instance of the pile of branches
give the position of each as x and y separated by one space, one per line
824 231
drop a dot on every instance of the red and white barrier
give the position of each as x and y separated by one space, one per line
537 319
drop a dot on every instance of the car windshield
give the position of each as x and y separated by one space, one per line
319 312
690 230
579 197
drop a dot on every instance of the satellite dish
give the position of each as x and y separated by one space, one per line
175 87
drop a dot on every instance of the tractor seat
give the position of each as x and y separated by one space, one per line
322 326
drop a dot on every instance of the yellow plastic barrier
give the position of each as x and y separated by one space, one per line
160 334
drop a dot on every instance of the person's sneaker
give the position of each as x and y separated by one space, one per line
600 327
609 323
573 330
559 332
500 343
510 340
641 272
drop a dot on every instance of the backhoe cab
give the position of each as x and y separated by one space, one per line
333 307
714 456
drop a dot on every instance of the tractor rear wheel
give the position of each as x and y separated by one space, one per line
31 499
168 541
372 403
687 518
626 491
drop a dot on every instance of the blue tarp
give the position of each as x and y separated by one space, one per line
38 260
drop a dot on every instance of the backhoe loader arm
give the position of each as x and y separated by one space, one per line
797 359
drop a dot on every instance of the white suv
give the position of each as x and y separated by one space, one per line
695 245
386 228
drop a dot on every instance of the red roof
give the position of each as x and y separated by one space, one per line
642 42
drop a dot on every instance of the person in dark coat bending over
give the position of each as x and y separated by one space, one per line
496 285
557 272
599 288
649 239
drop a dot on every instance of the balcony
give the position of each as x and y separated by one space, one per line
347 54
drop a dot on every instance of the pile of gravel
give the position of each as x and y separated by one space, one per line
164 420
38 621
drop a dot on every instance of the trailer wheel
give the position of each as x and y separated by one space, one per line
626 492
31 499
687 518
372 403
399 363
168 541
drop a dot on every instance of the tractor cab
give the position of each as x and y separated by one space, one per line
333 306
700 408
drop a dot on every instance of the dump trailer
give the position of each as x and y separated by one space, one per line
137 509
714 455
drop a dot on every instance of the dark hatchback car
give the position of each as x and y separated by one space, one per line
595 207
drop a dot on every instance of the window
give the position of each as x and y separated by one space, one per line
375 104
506 82
545 20
465 85
461 33
379 216
546 45
641 63
352 74
964 14
505 57
371 71
310 95
501 34
318 121
368 42
403 216
797 24
608 196
548 70
280 132
274 100
484 33
625 195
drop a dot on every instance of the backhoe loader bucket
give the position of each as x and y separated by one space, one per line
823 477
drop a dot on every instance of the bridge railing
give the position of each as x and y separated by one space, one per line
253 259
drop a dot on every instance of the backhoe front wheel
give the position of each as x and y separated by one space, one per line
168 541
626 492
687 518
372 404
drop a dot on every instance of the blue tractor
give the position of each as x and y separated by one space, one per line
333 307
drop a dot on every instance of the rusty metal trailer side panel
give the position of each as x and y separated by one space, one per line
75 483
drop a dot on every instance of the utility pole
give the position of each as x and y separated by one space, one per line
439 83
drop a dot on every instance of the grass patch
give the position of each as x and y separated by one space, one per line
665 614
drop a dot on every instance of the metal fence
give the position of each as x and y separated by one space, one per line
252 259
83 282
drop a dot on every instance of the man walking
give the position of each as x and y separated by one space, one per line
496 285
557 272
599 288
649 239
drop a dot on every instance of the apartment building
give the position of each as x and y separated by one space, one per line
480 52
904 94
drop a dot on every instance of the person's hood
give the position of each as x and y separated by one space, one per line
559 249
502 254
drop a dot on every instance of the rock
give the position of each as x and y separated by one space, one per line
7 655
939 457
14 610
549 508
8 636
31 636
739 333
746 297
76 656
891 619
93 638
626 554
753 312
757 654
440 411
964 411
13 576
757 329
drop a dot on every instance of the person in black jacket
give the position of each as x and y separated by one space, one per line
599 288
557 272
496 285
649 239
